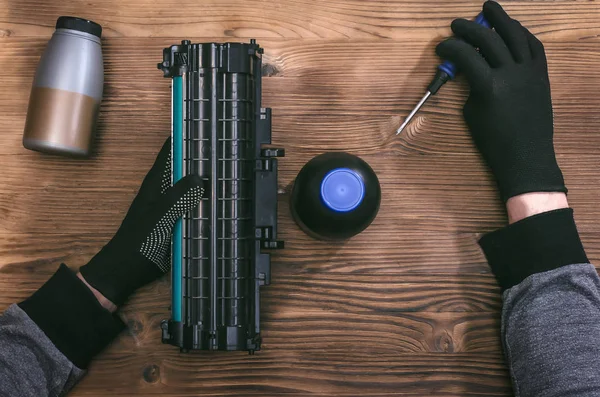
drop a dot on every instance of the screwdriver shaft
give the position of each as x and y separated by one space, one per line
415 110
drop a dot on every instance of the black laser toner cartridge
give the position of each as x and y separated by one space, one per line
218 132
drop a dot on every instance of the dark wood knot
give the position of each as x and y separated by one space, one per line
135 327
269 70
151 373
444 343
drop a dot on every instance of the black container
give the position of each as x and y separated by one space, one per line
335 196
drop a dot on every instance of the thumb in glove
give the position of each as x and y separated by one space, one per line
139 253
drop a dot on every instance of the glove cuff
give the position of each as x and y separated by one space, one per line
533 175
72 318
544 188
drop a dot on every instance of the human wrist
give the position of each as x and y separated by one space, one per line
525 205
70 315
107 304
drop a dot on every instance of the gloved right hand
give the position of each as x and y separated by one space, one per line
509 110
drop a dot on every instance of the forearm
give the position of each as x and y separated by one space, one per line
550 333
551 312
47 341
551 308
30 364
530 204
104 302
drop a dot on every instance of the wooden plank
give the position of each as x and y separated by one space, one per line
449 194
397 253
403 253
289 327
312 96
307 19
300 372
333 311
348 293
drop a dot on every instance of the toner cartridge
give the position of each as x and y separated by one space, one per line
218 132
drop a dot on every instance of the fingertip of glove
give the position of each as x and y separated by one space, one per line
459 24
494 13
192 198
195 180
491 6
190 181
197 193
190 185
195 187
446 47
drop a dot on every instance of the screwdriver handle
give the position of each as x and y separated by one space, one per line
448 67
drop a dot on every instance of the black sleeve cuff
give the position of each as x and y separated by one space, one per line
72 318
533 245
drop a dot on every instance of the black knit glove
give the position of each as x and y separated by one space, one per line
140 250
509 110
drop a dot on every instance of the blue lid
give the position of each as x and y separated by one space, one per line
342 190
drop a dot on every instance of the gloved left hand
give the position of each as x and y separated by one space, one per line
140 250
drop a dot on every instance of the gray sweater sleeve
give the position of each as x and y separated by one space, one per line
30 364
551 333
551 311
47 341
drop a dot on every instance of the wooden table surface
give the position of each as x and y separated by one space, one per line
409 307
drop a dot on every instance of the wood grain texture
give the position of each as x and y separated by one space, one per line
312 311
306 19
287 373
408 307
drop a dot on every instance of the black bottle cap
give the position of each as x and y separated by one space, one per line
79 24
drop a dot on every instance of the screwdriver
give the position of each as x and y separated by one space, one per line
446 72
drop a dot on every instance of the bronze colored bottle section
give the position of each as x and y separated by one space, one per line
60 121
